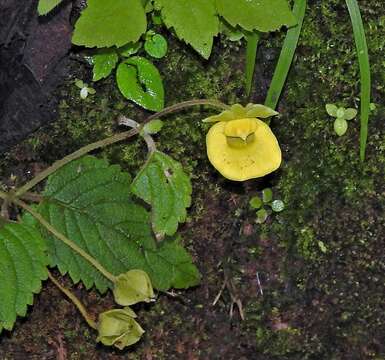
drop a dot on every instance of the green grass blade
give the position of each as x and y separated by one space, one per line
363 60
252 40
286 56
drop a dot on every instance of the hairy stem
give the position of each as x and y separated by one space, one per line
75 301
151 147
65 240
75 155
113 139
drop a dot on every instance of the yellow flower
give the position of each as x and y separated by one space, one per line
240 146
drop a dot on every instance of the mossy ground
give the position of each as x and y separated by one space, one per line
312 278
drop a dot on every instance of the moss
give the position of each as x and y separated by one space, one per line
328 302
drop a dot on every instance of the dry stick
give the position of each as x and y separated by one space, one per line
113 139
75 300
65 240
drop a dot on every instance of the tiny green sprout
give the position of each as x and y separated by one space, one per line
256 202
262 205
262 215
267 195
84 89
342 115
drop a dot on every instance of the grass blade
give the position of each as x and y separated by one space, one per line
286 56
252 40
363 60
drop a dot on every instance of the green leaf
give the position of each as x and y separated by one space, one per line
153 127
195 22
365 73
255 202
106 23
163 184
350 113
89 202
23 265
261 15
277 206
261 216
45 6
267 195
156 46
286 56
341 112
331 109
129 49
252 40
340 126
104 62
139 80
232 33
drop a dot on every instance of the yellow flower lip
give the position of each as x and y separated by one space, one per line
241 128
243 149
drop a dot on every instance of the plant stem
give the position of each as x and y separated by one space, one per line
113 139
151 147
365 78
64 239
186 104
252 40
286 57
75 155
75 301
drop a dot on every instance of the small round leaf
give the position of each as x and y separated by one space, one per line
261 216
156 46
267 195
350 114
277 205
331 109
255 202
340 126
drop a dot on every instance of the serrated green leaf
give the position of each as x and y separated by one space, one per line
156 46
45 6
104 62
106 23
195 22
163 184
23 265
89 202
261 15
137 73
